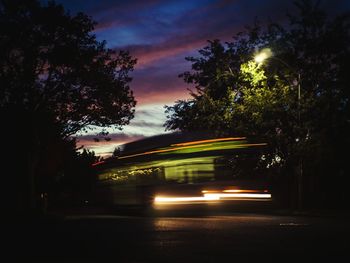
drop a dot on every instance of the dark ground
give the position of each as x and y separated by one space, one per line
221 236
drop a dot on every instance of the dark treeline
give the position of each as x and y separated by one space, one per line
56 79
308 133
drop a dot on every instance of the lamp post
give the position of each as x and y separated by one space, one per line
260 58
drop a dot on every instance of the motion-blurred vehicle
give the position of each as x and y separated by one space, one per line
183 169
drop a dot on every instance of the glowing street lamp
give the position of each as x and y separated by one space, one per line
259 58
267 53
263 55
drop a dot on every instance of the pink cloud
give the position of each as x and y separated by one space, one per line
177 45
169 97
147 55
109 24
103 147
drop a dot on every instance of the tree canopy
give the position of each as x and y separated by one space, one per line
56 79
236 95
51 60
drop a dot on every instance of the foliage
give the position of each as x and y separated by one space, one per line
51 61
311 53
56 79
75 182
116 152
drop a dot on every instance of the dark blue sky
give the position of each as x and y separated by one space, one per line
161 33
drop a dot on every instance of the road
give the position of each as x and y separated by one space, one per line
211 238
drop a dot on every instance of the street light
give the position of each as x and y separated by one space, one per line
267 53
263 55
260 58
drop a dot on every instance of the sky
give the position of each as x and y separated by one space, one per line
160 34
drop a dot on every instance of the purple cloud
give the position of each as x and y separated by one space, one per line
161 33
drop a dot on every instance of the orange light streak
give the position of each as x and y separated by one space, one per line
251 144
241 191
161 151
101 162
210 197
161 199
238 195
185 147
210 140
234 191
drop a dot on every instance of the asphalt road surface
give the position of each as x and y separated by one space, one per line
209 238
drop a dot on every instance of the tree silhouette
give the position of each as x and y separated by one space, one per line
116 152
55 79
235 95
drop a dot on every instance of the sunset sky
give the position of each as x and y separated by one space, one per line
160 34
